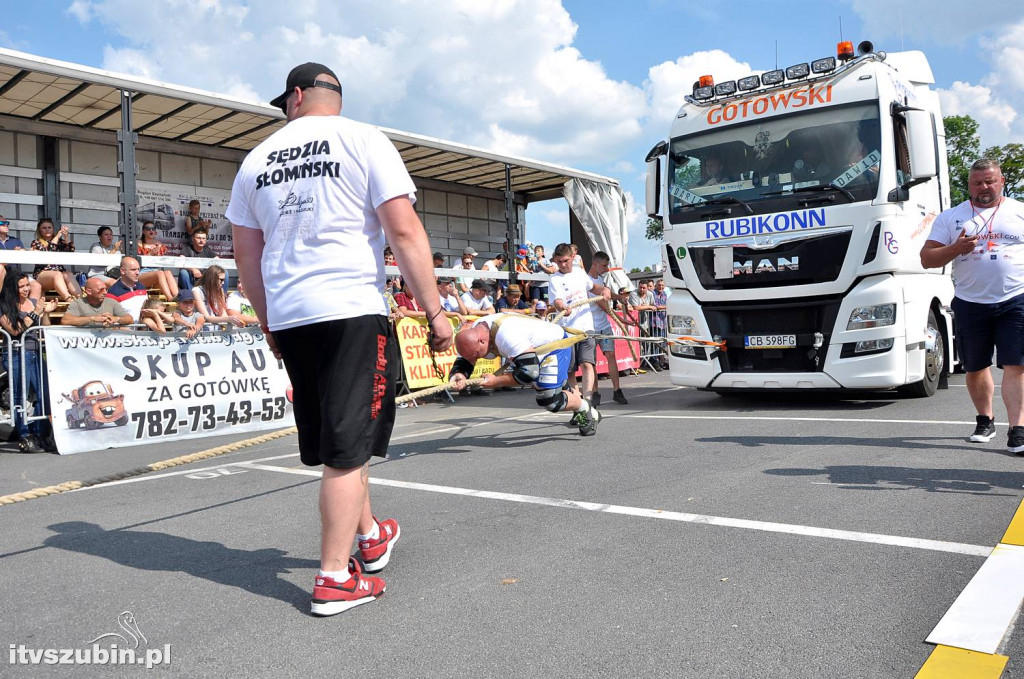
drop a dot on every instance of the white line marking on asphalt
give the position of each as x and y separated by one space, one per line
810 531
180 472
799 419
979 618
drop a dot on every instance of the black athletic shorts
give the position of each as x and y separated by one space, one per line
343 376
982 328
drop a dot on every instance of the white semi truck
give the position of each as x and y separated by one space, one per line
795 204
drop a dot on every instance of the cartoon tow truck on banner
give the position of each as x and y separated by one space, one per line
95 404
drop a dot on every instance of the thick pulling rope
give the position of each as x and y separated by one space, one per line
138 471
582 302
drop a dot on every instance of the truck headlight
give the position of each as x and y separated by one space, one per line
682 325
875 316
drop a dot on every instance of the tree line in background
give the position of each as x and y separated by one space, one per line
963 147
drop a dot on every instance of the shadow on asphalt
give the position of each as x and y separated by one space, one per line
867 477
894 442
254 571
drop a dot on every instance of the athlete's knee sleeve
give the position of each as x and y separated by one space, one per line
552 399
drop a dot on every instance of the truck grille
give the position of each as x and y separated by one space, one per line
804 318
806 259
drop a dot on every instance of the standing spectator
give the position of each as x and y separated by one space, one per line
196 247
496 264
106 245
210 299
95 308
463 284
154 316
641 303
659 317
477 300
512 301
128 290
54 277
18 313
344 391
393 284
577 261
186 315
603 326
984 238
151 277
240 306
193 221
539 289
568 286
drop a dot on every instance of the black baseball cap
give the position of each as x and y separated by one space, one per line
304 76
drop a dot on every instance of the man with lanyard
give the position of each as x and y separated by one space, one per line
538 353
603 326
128 290
984 238
569 285
348 189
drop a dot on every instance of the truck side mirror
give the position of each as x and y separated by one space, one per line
921 135
653 186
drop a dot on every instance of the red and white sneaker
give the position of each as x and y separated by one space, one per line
331 597
375 554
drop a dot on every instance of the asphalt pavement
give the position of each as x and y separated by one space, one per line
695 535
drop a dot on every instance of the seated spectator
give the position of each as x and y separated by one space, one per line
54 277
408 305
7 241
240 307
210 299
540 309
451 304
195 247
18 313
154 316
127 289
151 277
477 300
186 315
193 222
95 308
512 301
104 246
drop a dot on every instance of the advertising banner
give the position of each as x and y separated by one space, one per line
167 204
419 369
110 388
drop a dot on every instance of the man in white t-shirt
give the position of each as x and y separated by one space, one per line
464 283
984 238
478 300
310 208
599 264
568 286
452 304
526 344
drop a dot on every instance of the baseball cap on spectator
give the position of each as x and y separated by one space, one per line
441 280
541 305
438 255
303 76
514 289
469 251
186 296
478 284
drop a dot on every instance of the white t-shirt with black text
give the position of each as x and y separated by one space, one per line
573 287
313 188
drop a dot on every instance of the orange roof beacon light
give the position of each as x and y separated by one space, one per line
708 81
844 50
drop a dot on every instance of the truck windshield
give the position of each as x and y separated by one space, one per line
777 164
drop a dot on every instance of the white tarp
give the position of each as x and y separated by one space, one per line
601 209
112 388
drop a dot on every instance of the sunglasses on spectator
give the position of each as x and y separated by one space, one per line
149 228
4 222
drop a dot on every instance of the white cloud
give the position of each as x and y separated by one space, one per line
500 74
995 117
668 82
81 10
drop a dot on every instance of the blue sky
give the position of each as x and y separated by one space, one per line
591 84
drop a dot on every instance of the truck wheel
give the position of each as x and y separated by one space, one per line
91 423
72 424
934 363
121 421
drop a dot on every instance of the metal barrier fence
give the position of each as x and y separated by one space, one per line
6 379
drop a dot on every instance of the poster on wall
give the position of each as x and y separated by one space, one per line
167 204
416 356
110 389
